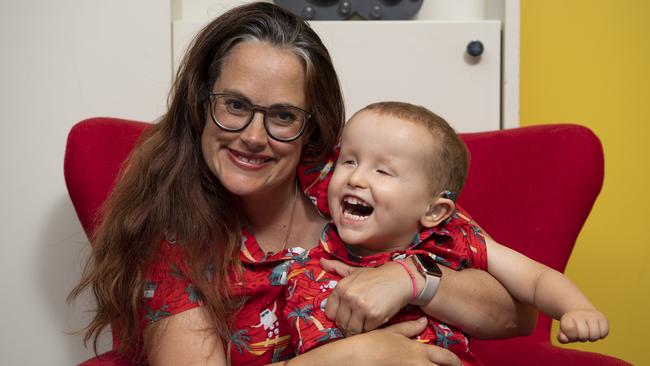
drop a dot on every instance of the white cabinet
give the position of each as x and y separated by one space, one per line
421 62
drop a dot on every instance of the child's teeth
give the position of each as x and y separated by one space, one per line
353 216
355 201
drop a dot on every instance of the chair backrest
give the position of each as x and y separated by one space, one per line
530 188
94 154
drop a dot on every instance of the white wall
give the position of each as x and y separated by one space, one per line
60 62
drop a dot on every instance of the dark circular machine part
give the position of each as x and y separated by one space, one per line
319 9
387 9
344 9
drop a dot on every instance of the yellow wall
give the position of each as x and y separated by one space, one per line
588 62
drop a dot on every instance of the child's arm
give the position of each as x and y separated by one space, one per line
548 290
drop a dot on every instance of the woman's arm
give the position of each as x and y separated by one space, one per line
470 299
387 346
183 339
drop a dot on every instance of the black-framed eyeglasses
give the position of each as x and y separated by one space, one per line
233 113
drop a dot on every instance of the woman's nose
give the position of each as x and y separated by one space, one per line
254 134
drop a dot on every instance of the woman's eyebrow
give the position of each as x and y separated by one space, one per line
245 98
237 93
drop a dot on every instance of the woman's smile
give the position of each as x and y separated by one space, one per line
247 161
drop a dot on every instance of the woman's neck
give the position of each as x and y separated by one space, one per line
269 216
270 208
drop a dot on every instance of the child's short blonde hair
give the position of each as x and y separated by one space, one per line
449 156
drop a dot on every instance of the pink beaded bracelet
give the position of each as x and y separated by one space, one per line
413 282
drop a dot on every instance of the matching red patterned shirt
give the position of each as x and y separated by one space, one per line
454 245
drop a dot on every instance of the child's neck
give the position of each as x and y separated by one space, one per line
364 251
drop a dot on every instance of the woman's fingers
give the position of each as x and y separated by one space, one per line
409 328
442 357
332 306
343 317
337 267
355 325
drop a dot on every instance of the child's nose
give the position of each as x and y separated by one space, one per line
357 180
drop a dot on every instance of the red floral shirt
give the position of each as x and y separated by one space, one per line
453 245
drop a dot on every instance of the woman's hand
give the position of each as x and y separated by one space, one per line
366 298
470 299
387 346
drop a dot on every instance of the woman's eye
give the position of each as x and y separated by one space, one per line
236 104
285 116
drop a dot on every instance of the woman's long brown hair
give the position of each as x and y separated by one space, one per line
166 187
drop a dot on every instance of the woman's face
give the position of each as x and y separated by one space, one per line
249 163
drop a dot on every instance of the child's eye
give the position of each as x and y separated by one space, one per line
383 172
348 162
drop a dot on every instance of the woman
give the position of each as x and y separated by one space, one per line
194 237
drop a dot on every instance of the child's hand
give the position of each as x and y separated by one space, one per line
582 325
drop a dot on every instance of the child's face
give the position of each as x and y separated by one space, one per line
380 189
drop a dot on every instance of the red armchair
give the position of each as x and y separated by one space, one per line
531 188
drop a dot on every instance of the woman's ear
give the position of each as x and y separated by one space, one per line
439 210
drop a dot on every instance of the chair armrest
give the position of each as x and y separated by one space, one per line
111 358
531 351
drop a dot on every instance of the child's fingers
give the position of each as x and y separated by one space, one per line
594 329
583 330
562 338
604 327
569 328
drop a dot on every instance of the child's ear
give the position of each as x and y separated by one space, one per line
439 210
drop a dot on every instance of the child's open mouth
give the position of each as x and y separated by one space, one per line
355 208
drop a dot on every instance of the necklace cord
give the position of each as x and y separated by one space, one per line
289 227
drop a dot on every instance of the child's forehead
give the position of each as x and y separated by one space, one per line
387 136
384 126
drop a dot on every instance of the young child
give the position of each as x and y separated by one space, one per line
399 170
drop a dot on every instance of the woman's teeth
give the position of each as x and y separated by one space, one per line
250 161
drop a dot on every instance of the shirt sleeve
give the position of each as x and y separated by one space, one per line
314 180
473 238
307 291
168 290
459 243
